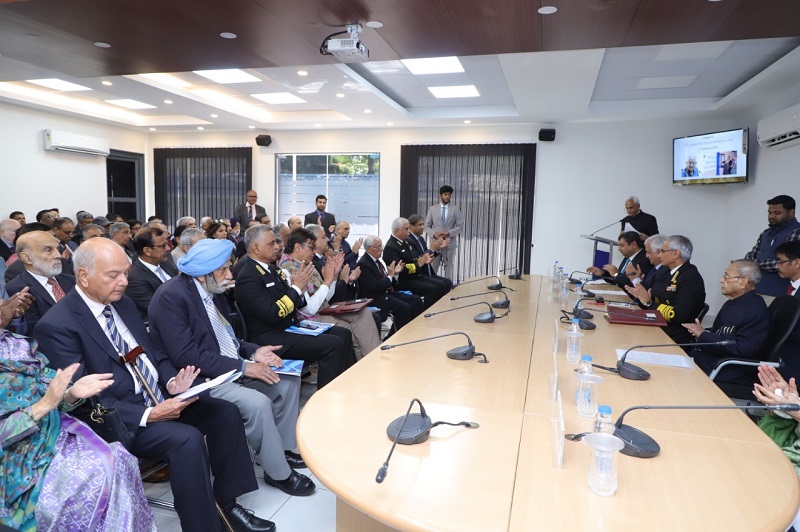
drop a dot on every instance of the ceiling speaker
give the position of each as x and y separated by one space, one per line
547 135
266 140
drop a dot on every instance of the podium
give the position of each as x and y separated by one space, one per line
601 257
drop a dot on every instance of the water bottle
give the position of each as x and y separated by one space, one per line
574 336
554 275
584 367
602 422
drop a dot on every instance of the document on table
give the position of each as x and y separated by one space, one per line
230 376
658 359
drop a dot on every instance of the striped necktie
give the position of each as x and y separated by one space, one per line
123 349
228 345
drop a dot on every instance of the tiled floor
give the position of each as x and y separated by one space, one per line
315 512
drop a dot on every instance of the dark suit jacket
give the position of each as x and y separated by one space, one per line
5 251
179 327
240 213
42 301
266 301
69 333
372 283
143 283
640 260
398 250
328 220
343 290
18 267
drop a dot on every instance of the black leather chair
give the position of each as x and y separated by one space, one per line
785 314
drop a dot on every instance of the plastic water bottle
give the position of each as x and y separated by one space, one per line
602 422
554 274
584 367
574 336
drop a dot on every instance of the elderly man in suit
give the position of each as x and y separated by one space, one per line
96 326
38 251
150 269
189 322
249 210
8 231
444 219
320 217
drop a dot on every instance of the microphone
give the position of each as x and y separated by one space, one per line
516 276
483 317
505 303
639 444
573 280
418 432
585 325
626 370
606 227
464 352
583 314
496 286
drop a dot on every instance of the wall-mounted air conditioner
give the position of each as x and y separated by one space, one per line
74 143
780 129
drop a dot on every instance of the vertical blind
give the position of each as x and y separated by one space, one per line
493 187
201 181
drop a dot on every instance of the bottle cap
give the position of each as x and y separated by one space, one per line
586 358
603 409
575 320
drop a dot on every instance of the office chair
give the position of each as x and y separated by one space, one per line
703 312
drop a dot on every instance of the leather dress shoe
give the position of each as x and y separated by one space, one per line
294 460
244 520
296 484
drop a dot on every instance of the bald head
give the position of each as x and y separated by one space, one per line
295 223
38 250
101 270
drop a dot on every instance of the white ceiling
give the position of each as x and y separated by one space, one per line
712 78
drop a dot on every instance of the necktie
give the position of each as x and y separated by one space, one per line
250 212
444 214
790 290
624 265
381 268
319 219
58 292
122 348
161 274
228 346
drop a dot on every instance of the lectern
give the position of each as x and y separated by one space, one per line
601 257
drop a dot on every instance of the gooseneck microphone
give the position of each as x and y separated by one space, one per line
496 286
626 370
464 352
578 312
483 317
606 227
504 303
640 445
418 432
516 276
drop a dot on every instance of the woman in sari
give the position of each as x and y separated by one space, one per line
57 473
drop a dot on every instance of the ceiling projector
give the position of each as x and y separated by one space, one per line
348 49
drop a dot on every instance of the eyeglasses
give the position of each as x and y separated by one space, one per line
784 261
660 251
377 247
726 277
162 246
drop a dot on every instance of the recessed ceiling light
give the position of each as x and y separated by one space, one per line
302 73
251 127
214 115
152 129
317 125
278 98
389 123
101 44
168 102
455 91
58 84
339 95
200 128
433 65
467 121
167 79
106 83
230 75
228 35
131 104
367 111
374 24
547 10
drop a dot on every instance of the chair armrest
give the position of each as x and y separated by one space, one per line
740 362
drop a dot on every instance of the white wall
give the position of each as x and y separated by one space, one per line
34 179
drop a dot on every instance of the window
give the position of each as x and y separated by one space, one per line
351 182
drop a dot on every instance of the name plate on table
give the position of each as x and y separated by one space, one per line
634 316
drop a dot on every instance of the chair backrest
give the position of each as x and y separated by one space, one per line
238 322
784 312
703 312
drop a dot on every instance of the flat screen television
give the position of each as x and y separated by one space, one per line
710 158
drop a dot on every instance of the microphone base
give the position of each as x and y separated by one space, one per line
417 429
515 276
637 443
586 325
465 352
496 286
632 373
503 303
485 317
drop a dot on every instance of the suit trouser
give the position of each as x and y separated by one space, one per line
366 336
429 288
445 258
189 455
269 413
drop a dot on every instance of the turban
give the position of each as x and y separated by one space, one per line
205 257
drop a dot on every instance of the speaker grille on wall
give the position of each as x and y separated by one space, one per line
547 135
266 140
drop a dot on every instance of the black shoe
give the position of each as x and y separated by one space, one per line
244 520
296 484
294 460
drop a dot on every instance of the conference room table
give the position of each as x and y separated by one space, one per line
716 469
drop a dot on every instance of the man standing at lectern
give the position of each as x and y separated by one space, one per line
444 220
637 220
